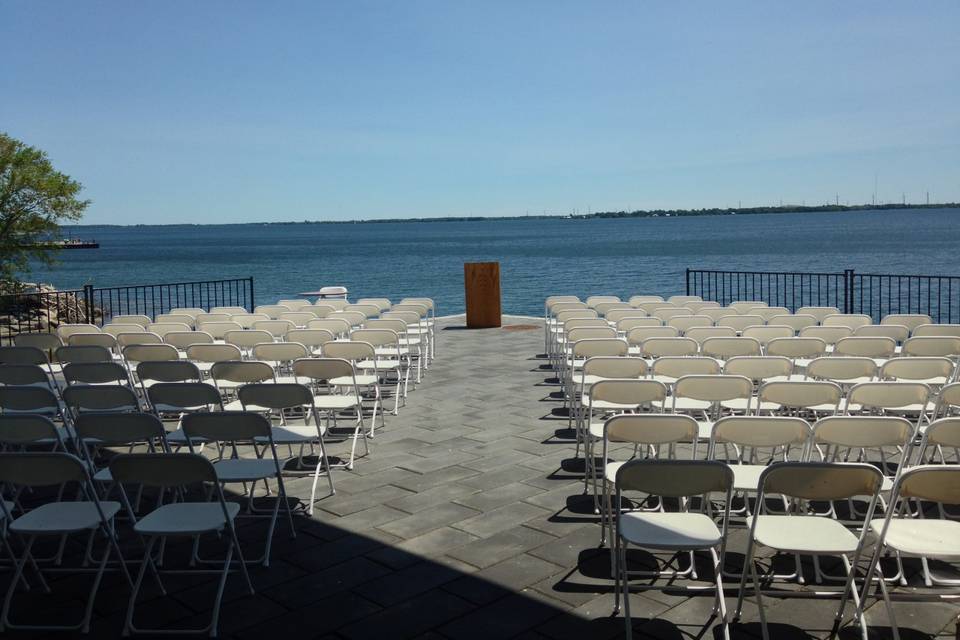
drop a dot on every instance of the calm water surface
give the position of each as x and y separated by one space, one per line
537 257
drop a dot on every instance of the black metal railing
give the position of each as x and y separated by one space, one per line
875 295
44 310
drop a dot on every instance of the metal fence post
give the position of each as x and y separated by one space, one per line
88 302
250 281
688 281
848 291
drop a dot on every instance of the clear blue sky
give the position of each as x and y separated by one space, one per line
230 111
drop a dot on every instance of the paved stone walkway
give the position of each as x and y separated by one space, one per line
467 520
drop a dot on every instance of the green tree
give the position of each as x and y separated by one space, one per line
35 199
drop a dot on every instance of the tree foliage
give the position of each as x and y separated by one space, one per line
35 199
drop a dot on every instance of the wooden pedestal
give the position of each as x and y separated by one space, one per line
481 283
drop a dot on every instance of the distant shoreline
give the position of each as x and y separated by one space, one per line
640 213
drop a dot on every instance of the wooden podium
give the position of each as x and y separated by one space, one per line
481 284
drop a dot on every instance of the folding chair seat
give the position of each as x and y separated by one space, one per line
932 371
945 346
725 348
684 531
137 319
704 398
86 515
920 537
819 312
797 321
669 369
937 330
179 518
290 403
230 430
909 320
850 320
802 532
333 382
808 399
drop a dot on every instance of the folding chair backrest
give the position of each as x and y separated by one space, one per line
889 395
41 469
178 318
863 431
580 323
23 374
219 329
666 313
660 347
842 369
764 334
312 337
119 428
650 428
280 351
204 318
561 317
702 333
696 306
850 320
246 320
226 426
635 393
399 326
950 396
759 368
336 326
796 347
738 322
17 430
150 353
105 340
412 318
818 312
935 330
897 332
767 312
933 483
230 310
599 347
615 315
920 369
794 321
95 373
298 318
42 341
381 303
591 333
376 337
115 329
368 310
296 304
169 371
830 335
193 312
685 323
141 337
162 328
762 431
334 303
944 432
88 353
716 313
275 396
865 347
637 300
713 388
183 339
213 352
675 478
67 330
104 398
323 368
744 306
272 310
354 318
679 366
593 301
651 306
821 480
137 319
247 338
724 348
351 350
948 346
162 469
637 335
241 371
173 396
615 367
31 399
800 394
22 355
626 324
910 320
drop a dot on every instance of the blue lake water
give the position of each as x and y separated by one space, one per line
537 257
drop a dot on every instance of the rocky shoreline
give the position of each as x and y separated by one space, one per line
41 308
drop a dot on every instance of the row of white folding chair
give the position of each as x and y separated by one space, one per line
806 532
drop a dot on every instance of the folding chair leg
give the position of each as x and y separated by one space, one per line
628 621
759 595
